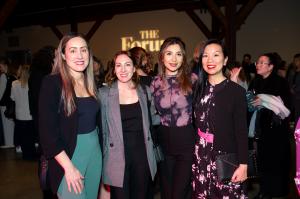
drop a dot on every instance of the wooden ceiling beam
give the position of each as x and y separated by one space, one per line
6 10
93 29
196 19
244 12
215 10
56 31
230 31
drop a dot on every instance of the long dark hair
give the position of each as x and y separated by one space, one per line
184 71
202 78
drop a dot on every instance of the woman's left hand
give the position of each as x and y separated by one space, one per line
256 102
240 174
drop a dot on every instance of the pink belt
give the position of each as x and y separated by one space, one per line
208 137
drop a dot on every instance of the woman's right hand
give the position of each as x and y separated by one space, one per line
234 74
74 179
73 176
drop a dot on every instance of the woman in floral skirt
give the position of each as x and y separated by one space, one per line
220 119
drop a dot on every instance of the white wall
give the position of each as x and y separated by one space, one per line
272 26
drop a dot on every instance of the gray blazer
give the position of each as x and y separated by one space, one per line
113 146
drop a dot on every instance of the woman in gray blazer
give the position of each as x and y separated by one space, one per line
128 159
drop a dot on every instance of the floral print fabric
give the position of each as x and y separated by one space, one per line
173 106
204 174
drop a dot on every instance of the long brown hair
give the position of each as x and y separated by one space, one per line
60 67
111 75
184 71
139 54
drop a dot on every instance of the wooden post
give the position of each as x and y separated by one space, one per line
230 29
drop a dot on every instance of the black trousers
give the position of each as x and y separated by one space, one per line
25 132
137 177
176 170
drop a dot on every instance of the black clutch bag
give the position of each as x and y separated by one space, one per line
227 163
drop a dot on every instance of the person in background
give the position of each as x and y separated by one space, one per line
143 64
24 128
272 131
6 79
248 67
128 161
69 121
99 72
293 77
41 66
194 63
282 69
172 92
220 130
236 74
3 70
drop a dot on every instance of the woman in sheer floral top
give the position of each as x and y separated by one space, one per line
172 92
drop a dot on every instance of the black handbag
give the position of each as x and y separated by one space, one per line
158 153
226 164
156 147
10 111
43 173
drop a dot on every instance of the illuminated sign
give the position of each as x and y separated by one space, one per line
149 41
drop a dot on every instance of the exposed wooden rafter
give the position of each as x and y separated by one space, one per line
196 19
244 12
66 12
226 25
57 32
93 29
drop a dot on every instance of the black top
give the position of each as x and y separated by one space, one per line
131 116
88 109
6 95
132 125
225 117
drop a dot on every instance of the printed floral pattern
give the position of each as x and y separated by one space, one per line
174 107
204 178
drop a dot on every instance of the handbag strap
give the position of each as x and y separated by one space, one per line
148 104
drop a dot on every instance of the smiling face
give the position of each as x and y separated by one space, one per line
213 60
76 55
172 59
263 66
124 68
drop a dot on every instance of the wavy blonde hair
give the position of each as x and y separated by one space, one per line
24 75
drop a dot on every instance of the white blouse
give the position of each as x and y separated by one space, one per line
20 96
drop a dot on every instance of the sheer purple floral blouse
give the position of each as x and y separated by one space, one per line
174 108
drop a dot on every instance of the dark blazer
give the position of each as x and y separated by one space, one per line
229 121
57 131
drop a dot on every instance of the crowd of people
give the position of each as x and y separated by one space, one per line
93 122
